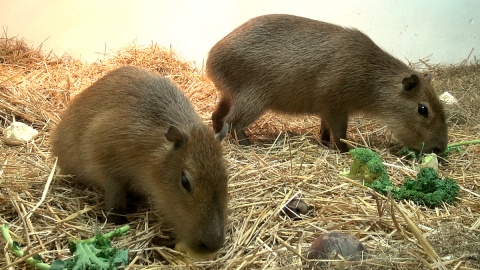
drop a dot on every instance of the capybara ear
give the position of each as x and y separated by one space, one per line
411 82
176 137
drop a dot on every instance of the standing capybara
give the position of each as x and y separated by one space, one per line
134 132
297 65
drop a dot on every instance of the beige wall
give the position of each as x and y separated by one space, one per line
444 30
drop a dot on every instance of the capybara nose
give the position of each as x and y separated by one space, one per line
439 150
211 244
440 147
211 241
208 248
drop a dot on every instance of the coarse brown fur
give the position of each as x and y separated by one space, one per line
297 65
134 131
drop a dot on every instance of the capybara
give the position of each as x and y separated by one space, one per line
134 132
298 65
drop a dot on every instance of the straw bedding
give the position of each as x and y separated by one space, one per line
44 209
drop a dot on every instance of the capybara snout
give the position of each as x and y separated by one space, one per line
133 131
298 65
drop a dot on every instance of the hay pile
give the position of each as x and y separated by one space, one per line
44 210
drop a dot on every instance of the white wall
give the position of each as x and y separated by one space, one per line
443 30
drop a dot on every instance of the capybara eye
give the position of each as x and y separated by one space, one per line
185 183
423 110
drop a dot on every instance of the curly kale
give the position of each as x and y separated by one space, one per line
409 154
428 189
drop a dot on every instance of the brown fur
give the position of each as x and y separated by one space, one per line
298 65
134 131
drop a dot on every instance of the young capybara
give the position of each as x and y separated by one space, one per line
297 65
134 132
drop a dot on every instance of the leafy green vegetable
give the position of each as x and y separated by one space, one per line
382 185
451 149
34 261
428 160
427 189
409 154
455 147
366 166
94 253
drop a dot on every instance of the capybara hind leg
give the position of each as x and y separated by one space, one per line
218 116
115 202
324 133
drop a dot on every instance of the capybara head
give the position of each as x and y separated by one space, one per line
192 189
417 119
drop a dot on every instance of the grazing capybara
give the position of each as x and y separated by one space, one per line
134 132
297 65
